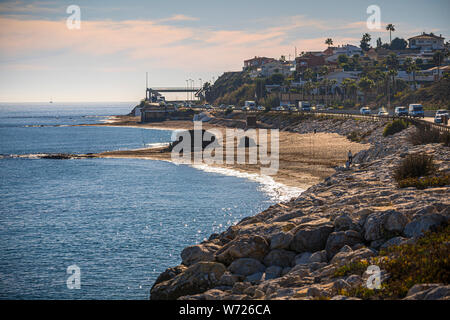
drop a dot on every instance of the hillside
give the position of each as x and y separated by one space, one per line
436 96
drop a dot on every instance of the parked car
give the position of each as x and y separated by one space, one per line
365 111
293 108
245 108
320 107
401 111
383 113
416 110
231 107
438 118
261 108
442 112
280 108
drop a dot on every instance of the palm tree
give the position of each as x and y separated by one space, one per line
366 85
329 42
391 28
411 67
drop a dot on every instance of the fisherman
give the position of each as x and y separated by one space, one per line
350 157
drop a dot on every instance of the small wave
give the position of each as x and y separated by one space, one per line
157 144
276 191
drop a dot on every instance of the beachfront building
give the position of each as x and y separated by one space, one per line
154 112
427 42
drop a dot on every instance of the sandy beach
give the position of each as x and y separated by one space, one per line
304 159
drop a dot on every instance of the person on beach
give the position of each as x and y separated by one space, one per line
350 157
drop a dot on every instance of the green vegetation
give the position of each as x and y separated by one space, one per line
435 96
426 261
395 126
414 166
357 267
425 182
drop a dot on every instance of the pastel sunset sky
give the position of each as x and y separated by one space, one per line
106 59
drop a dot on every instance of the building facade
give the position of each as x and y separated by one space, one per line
427 42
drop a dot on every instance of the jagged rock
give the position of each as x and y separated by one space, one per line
374 226
246 266
281 240
273 272
319 256
347 257
279 257
255 277
429 292
396 222
417 227
396 241
354 280
311 238
229 279
344 223
197 278
337 240
199 252
303 258
169 273
340 284
243 247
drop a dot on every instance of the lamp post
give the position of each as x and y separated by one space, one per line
201 85
187 92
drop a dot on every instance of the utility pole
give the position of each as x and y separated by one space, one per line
187 92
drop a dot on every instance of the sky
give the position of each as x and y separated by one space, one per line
107 58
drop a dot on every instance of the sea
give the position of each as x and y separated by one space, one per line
104 228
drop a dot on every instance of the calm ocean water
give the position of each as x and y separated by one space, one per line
121 221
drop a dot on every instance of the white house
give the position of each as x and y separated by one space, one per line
427 42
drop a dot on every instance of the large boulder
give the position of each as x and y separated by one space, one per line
417 227
169 273
396 222
346 257
279 257
337 240
243 247
281 240
311 238
384 225
198 278
432 291
246 266
199 252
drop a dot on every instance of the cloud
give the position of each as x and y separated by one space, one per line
178 17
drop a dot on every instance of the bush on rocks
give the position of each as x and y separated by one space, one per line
394 127
414 166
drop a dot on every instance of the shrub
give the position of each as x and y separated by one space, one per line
425 182
427 134
395 127
426 261
357 267
415 166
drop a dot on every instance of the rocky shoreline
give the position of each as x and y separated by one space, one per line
297 250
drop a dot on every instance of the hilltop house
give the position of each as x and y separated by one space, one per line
427 42
309 60
256 62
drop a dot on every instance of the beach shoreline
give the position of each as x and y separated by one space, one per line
304 159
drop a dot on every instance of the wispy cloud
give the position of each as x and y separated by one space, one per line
178 17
